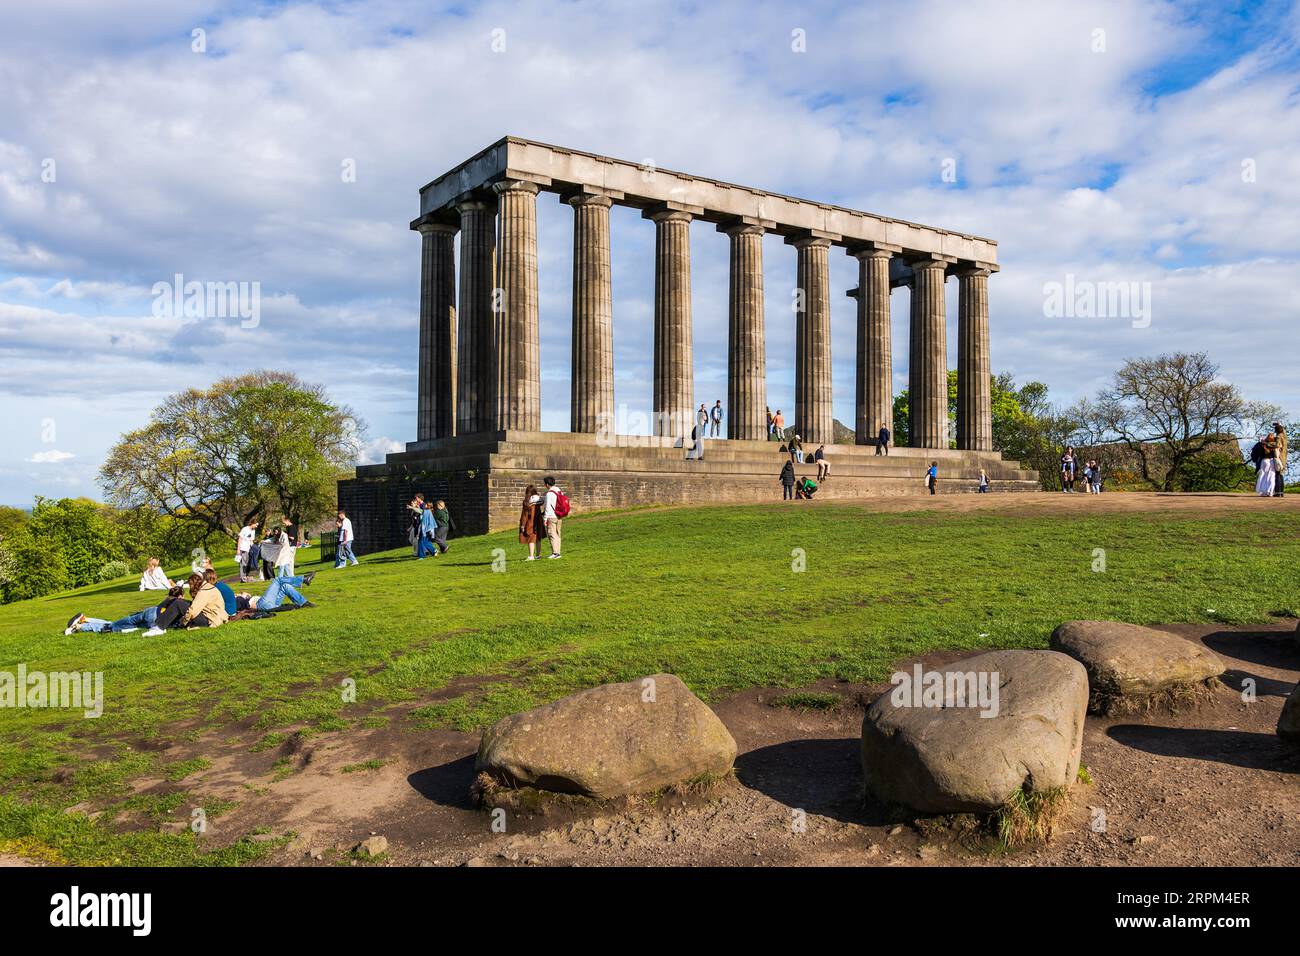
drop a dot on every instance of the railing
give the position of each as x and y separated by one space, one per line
329 546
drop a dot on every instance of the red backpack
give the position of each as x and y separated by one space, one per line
561 503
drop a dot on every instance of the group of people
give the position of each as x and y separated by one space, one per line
430 524
211 603
1269 458
1070 473
270 557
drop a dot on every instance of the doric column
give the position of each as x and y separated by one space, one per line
674 377
746 352
516 370
974 398
474 410
813 414
592 396
928 357
436 409
875 373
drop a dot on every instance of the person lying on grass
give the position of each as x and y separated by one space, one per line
280 588
146 618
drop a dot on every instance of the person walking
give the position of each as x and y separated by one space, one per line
284 555
787 480
247 538
882 440
932 476
344 554
555 510
444 524
823 466
1279 477
715 420
531 525
428 528
984 482
1067 471
415 515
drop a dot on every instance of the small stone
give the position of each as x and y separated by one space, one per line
373 846
895 831
263 838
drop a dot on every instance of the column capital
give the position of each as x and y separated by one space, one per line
810 238
968 268
872 250
745 226
434 223
474 204
588 199
515 186
671 212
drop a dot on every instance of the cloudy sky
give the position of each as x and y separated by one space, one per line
1139 142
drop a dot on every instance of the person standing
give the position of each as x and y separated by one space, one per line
715 420
1279 478
778 425
415 512
787 480
932 476
344 554
1067 471
247 538
696 451
984 482
554 512
702 419
284 557
531 527
882 440
1266 483
770 427
823 466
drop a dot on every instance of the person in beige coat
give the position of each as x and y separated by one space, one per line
207 607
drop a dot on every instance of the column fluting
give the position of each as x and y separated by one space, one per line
813 411
674 376
516 370
474 409
974 389
436 403
928 357
875 386
592 382
746 351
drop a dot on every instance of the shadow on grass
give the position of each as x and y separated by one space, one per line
1236 748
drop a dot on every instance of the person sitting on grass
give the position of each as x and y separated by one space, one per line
227 592
279 589
145 618
805 487
154 578
207 607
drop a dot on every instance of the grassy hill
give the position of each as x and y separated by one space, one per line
714 595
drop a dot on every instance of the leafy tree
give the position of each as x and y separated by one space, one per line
78 531
11 519
1166 410
246 446
1216 471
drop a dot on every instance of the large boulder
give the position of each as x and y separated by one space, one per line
1131 667
1288 724
610 741
948 757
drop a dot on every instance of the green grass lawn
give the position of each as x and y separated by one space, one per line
710 594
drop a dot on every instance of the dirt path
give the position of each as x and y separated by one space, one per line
1213 786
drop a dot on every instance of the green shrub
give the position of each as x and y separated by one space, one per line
1216 471
113 569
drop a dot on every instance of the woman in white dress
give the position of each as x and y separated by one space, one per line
1267 469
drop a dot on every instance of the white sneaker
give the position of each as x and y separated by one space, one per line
531 557
153 632
552 557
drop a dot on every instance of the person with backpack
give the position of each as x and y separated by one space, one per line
556 509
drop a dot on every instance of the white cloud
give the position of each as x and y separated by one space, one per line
53 456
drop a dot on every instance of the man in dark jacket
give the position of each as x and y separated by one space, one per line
882 440
1257 454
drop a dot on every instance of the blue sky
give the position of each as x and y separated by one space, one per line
1099 142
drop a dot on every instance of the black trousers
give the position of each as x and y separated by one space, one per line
789 492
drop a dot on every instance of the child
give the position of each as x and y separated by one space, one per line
932 476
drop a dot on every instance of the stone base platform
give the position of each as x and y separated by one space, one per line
482 477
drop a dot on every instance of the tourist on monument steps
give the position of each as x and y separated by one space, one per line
823 466
984 482
702 419
932 476
771 428
796 449
715 420
882 440
805 487
787 480
778 425
531 525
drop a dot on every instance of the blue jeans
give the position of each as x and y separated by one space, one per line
144 619
279 589
425 546
344 554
